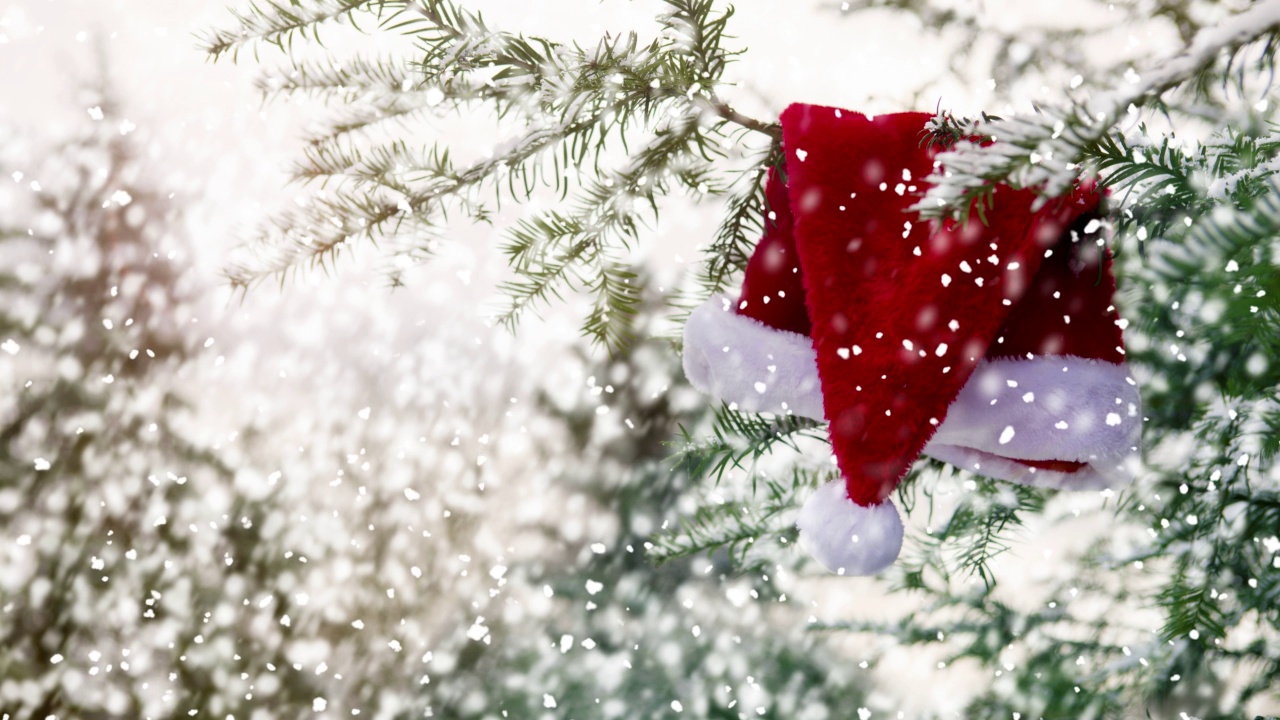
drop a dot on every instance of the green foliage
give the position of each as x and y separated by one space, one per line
741 228
738 437
754 523
1048 150
576 108
752 533
980 527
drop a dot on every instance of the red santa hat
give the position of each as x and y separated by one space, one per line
992 345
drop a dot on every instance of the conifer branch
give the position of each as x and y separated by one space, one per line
743 223
573 106
274 23
751 531
1048 150
975 533
739 439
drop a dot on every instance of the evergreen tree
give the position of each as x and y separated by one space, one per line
101 479
1173 608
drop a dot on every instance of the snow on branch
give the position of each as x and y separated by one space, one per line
568 112
1049 149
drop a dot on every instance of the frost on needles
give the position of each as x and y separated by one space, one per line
577 109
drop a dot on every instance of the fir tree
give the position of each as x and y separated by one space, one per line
100 473
1187 148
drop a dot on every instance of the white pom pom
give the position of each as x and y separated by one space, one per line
848 538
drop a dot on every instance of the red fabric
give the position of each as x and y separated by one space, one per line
772 291
1079 274
1075 282
862 279
1062 466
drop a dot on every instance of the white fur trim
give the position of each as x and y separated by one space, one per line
1055 407
1046 408
847 538
743 361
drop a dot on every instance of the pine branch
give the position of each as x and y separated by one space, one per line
575 105
741 529
274 22
741 228
360 207
1048 150
548 251
738 440
1192 608
341 82
976 532
1231 231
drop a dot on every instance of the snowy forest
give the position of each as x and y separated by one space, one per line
358 358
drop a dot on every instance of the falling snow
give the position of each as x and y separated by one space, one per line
332 499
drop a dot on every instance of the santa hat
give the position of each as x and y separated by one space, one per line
991 345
